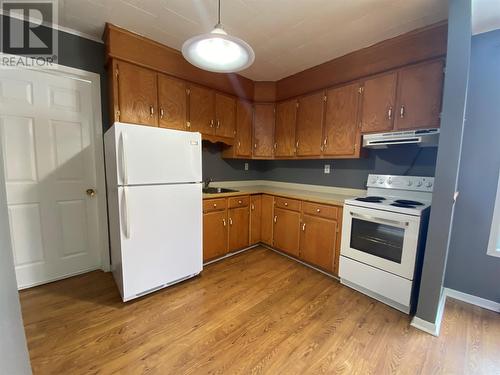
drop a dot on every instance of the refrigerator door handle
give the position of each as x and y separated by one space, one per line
123 141
125 210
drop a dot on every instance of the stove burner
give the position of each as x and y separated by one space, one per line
408 202
371 199
402 205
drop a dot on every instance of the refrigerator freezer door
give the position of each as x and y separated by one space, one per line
143 155
161 236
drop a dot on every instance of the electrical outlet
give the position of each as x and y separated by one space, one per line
246 166
327 168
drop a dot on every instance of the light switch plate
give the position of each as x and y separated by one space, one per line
246 166
327 168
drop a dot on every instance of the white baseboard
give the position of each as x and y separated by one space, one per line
431 328
473 300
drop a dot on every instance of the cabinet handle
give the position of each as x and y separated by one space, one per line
253 207
255 145
224 222
275 219
215 205
211 123
275 145
325 142
389 113
297 144
303 227
239 144
151 111
318 210
230 221
239 202
402 111
286 204
218 124
162 113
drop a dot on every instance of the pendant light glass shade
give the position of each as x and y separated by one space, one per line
218 52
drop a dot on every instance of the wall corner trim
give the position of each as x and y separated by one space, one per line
431 328
473 300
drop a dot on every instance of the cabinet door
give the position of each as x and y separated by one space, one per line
287 231
379 97
267 219
172 102
342 136
225 115
255 218
310 125
284 133
263 130
420 89
137 95
317 242
214 234
244 120
239 224
201 110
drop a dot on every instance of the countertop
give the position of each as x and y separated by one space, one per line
312 193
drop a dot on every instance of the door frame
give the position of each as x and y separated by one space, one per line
95 86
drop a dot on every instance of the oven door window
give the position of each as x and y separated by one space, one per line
381 240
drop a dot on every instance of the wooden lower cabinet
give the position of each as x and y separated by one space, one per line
318 239
287 231
215 240
307 231
255 219
266 228
239 224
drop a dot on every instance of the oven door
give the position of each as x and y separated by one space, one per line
382 239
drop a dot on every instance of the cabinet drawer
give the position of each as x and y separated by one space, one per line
243 201
210 205
328 212
288 204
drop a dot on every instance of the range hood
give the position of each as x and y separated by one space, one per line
421 137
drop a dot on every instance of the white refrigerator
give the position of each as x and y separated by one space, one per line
155 206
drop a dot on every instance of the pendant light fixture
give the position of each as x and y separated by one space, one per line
217 51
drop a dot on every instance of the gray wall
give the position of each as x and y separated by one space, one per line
448 158
469 269
14 357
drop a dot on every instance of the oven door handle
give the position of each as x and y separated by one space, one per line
380 220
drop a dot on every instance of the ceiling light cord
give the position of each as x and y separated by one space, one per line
218 14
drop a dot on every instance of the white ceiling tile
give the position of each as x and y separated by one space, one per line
287 36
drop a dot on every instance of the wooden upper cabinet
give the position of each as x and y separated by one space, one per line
379 101
244 121
309 133
287 231
201 110
284 133
317 241
225 115
239 225
341 135
137 94
420 90
215 240
267 219
255 218
172 102
263 130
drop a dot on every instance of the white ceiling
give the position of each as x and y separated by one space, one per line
288 36
485 16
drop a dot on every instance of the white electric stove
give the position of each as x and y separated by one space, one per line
383 237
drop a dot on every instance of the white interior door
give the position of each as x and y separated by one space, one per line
46 131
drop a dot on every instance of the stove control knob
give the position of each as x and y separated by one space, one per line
389 181
373 180
409 183
428 184
419 183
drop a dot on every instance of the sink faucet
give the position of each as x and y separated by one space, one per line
207 182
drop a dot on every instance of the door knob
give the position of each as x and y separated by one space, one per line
91 193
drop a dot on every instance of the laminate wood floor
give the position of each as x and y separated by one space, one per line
257 312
